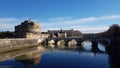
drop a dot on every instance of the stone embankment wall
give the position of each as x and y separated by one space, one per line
13 43
6 44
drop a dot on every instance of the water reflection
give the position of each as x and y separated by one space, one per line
12 54
73 58
51 45
114 54
29 59
87 45
86 56
101 47
28 56
114 62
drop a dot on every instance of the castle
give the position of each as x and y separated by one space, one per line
28 29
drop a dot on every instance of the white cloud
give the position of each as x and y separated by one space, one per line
7 24
83 29
108 17
93 30
60 18
83 20
63 22
6 20
77 21
78 24
89 29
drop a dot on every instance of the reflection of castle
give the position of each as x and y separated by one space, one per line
29 59
28 29
32 53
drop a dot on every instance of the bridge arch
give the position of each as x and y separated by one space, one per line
83 41
86 44
51 41
72 42
93 42
60 42
104 42
101 47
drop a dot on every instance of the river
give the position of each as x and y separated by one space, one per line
57 57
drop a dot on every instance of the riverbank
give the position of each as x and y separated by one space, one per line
18 43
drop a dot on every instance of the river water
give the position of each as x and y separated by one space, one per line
62 57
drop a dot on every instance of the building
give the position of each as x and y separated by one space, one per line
55 33
64 33
28 29
61 34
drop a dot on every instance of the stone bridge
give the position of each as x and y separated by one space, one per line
78 41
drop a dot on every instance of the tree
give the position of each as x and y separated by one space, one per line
113 31
6 34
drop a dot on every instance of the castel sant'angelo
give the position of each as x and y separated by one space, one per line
28 29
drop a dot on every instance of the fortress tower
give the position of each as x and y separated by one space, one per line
28 29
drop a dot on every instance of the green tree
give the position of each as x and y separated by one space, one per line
113 31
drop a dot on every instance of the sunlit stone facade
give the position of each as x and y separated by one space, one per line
28 29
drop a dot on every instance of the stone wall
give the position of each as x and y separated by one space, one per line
7 44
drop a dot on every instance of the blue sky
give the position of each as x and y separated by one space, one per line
85 15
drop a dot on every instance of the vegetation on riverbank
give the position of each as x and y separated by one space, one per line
6 34
112 33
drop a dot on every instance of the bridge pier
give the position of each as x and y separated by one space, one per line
55 43
95 46
66 44
94 42
45 42
78 44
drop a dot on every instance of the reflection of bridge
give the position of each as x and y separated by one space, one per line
80 51
78 41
